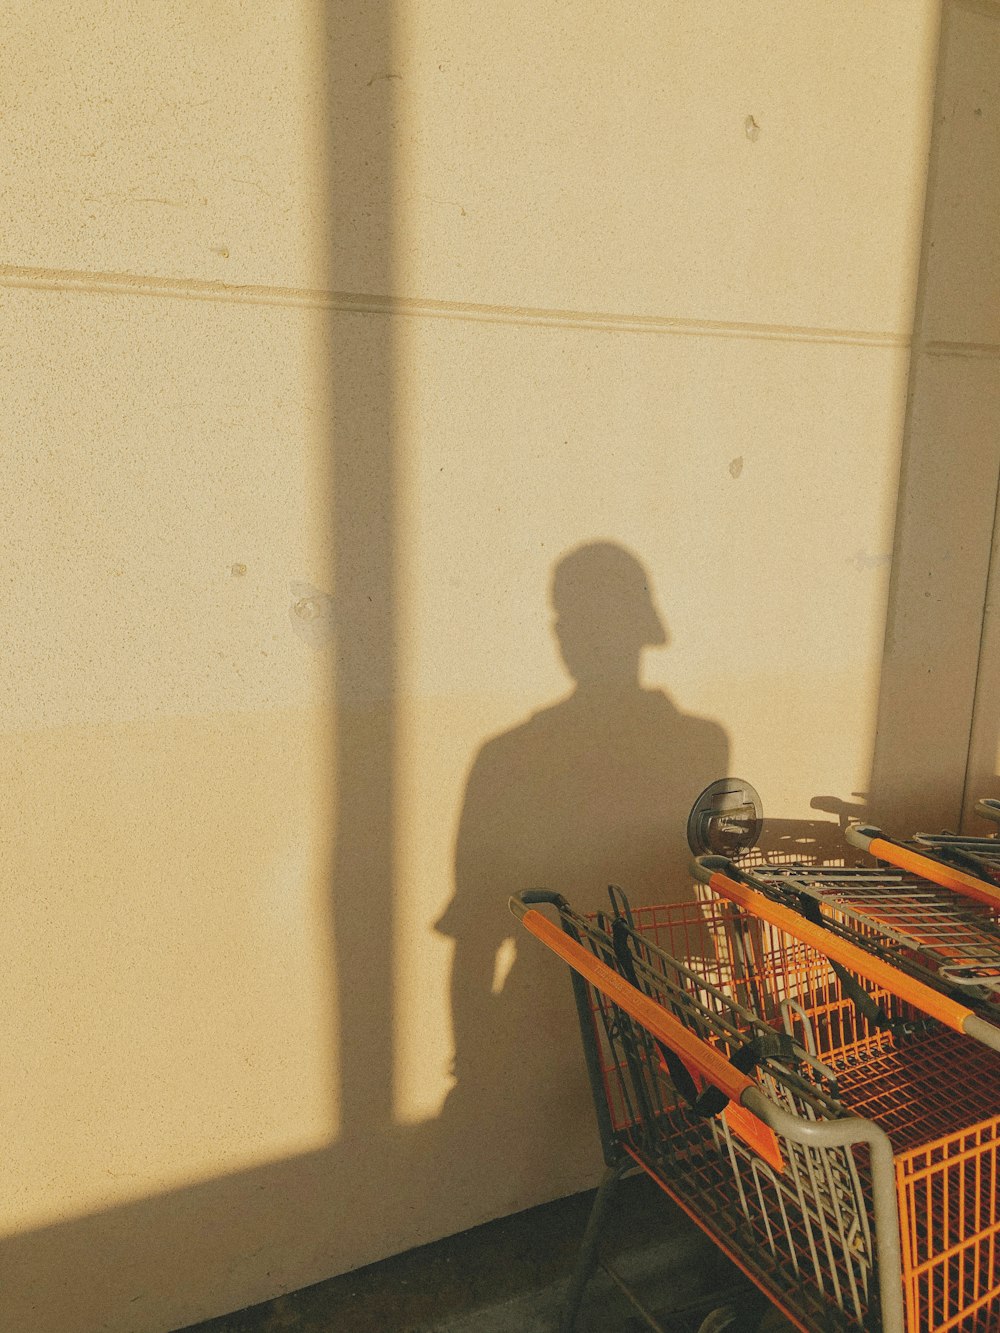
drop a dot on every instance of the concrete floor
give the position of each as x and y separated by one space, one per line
510 1275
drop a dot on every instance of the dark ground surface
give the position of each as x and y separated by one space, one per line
509 1276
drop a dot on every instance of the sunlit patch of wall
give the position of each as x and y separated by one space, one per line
973 265
938 694
168 758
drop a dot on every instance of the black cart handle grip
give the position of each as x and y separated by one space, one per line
704 867
520 902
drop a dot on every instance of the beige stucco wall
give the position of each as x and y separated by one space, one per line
328 333
937 732
966 300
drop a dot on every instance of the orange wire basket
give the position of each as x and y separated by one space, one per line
853 1172
926 932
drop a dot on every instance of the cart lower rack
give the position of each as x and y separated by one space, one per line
850 1169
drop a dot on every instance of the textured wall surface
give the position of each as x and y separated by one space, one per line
330 331
939 691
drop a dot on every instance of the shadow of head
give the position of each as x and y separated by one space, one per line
604 613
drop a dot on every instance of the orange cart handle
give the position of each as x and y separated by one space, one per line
824 941
872 841
694 1052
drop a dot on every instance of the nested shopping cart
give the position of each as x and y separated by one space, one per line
962 861
965 863
849 1166
944 933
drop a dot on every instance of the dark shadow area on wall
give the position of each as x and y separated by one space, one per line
950 465
362 115
810 840
592 790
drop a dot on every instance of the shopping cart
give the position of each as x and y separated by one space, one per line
849 1168
963 863
949 940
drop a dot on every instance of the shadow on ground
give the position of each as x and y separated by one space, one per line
509 1277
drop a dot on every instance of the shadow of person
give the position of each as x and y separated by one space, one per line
593 790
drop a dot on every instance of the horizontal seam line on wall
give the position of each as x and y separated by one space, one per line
66 280
976 351
612 323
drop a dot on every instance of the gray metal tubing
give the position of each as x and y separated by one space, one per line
842 1134
587 1257
704 867
605 1130
989 809
980 1030
861 835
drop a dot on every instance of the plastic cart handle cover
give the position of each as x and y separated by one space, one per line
695 1053
717 873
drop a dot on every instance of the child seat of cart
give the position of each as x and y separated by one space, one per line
702 1097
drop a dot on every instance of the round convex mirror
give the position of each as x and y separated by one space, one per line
725 820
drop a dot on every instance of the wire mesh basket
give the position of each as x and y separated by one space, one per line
850 1168
947 939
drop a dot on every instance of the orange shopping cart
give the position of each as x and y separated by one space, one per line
848 1165
949 940
949 859
965 863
